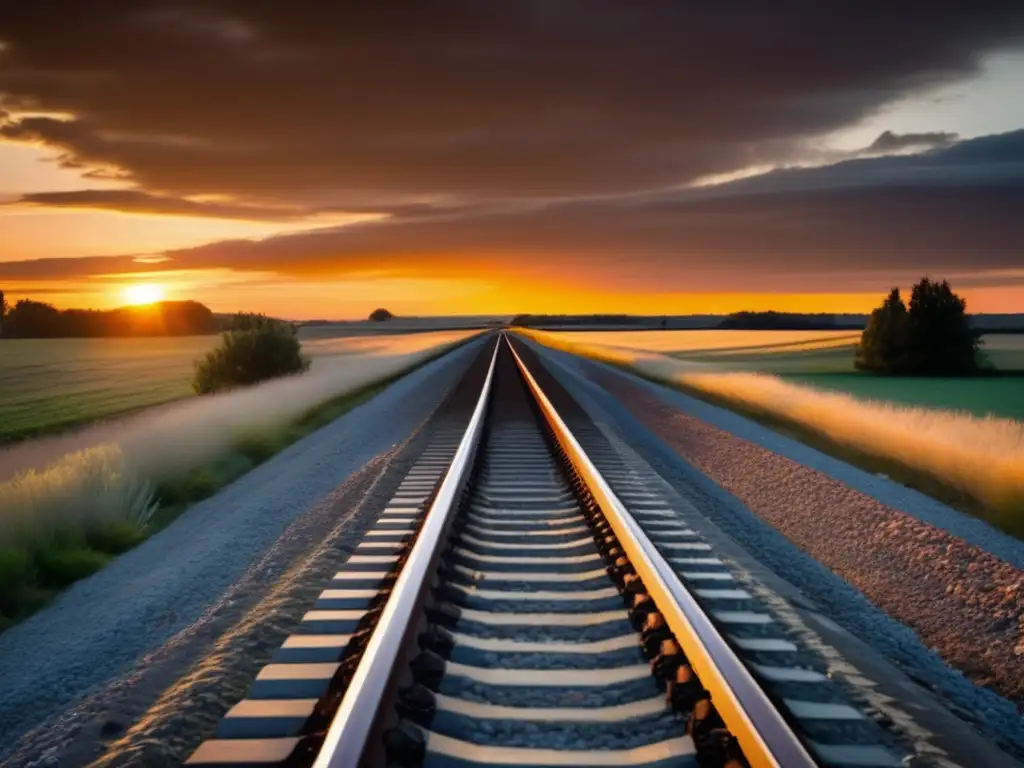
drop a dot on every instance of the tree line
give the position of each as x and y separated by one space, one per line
29 319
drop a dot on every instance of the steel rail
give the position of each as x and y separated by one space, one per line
765 737
346 739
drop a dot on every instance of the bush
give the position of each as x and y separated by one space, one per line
932 338
261 349
380 315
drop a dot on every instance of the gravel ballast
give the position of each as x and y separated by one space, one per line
102 627
963 602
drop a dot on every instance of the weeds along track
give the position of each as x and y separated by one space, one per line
527 599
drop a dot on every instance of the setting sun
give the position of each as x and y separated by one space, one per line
143 293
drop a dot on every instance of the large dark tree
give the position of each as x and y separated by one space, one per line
883 345
932 338
941 340
380 315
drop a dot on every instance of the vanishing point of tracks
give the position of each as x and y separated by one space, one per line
530 598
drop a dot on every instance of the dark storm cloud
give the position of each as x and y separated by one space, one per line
948 210
334 104
889 142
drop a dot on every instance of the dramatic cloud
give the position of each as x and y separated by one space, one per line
134 201
889 142
981 162
314 104
943 211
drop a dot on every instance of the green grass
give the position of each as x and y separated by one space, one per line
988 395
33 571
32 574
49 385
175 494
783 361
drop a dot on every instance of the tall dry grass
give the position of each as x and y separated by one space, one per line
981 457
112 480
96 484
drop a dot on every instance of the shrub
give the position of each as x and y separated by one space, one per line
248 321
932 338
261 349
380 315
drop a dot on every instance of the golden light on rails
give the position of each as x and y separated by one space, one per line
143 293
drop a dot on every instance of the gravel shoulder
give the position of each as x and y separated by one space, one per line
104 626
972 530
962 601
899 574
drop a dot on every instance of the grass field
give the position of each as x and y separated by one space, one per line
50 385
71 515
956 440
824 360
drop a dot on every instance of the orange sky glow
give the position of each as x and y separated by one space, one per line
414 276
353 298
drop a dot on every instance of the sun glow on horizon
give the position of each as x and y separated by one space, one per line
143 293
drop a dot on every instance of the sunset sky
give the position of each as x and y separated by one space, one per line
312 159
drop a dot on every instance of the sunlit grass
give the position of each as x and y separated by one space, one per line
711 341
66 520
980 457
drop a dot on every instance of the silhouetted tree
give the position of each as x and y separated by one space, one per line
941 340
932 338
883 345
28 319
3 311
32 319
380 315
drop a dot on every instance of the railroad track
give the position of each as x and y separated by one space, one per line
517 605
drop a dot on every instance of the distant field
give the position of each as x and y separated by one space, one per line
395 325
47 385
778 351
960 440
824 359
